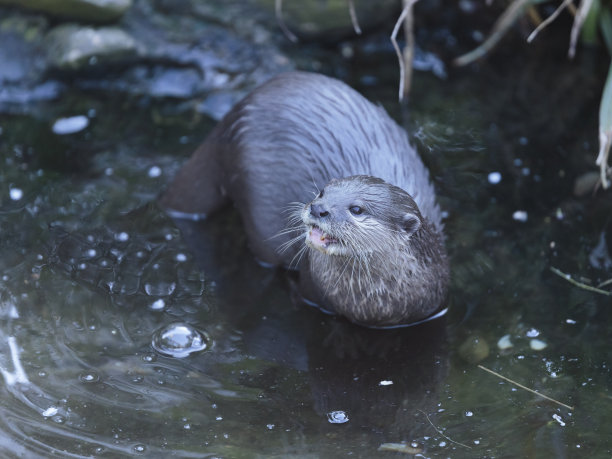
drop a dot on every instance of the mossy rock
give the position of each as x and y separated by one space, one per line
98 11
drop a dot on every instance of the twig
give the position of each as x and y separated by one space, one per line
581 14
438 430
501 26
406 14
354 20
278 10
548 20
568 278
525 388
604 283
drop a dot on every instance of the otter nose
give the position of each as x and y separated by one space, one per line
318 211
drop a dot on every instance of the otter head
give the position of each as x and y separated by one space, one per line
360 215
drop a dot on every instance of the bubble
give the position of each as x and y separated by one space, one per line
160 289
16 194
337 417
70 125
122 236
179 340
180 257
51 411
89 377
385 383
158 305
270 426
139 448
532 333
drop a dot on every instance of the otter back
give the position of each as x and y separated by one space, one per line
283 143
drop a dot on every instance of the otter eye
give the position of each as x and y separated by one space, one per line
320 194
356 210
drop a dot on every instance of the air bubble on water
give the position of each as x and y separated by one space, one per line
337 417
179 340
139 448
160 289
89 377
532 333
149 358
91 253
180 257
158 305
51 411
122 236
270 426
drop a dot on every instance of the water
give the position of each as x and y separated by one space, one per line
122 334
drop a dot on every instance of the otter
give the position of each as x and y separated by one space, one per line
328 184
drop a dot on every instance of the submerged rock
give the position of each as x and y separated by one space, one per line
74 47
85 10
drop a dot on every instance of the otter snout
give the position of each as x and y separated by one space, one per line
318 210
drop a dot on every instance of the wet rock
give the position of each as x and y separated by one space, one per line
84 10
72 47
21 58
586 184
474 349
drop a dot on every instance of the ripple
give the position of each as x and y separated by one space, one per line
179 340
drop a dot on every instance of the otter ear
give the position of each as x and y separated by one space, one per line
410 223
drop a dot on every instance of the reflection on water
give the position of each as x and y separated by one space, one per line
102 297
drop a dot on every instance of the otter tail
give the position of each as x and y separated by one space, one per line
197 190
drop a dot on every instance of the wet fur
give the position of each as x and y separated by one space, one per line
288 139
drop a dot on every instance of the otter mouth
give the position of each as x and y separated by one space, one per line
319 239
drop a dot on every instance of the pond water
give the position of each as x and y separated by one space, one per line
125 333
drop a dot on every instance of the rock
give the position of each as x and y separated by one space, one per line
474 349
85 10
72 47
331 20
